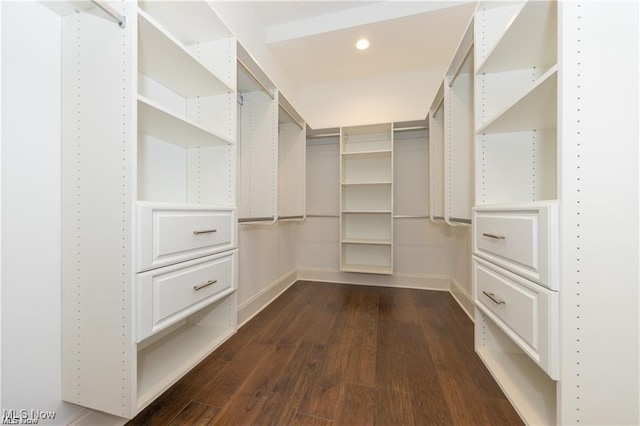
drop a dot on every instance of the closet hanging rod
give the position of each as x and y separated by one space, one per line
459 67
408 129
120 19
324 215
290 217
255 219
324 135
256 79
286 111
460 220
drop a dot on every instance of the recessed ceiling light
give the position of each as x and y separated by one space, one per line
362 44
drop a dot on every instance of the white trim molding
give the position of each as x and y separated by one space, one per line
420 282
462 296
261 300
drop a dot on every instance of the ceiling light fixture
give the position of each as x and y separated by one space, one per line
362 44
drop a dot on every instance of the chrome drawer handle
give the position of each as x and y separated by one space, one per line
201 286
206 231
493 298
497 237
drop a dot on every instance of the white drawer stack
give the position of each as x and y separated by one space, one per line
515 276
187 260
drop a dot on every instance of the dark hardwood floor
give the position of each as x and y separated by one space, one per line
334 354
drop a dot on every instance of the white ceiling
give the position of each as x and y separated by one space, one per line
314 41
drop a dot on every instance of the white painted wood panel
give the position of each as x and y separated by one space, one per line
167 295
525 311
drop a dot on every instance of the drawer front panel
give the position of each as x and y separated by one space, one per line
514 238
524 310
167 295
522 240
169 236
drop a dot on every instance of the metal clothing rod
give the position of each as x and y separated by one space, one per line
459 67
121 20
459 220
325 135
323 215
255 219
256 79
286 111
407 129
406 216
290 217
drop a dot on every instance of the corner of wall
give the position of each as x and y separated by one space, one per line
464 299
261 300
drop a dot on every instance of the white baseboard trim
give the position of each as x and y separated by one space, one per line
422 282
89 417
463 298
261 300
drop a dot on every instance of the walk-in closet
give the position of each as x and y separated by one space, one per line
327 213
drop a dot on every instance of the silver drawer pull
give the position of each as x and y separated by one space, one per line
497 237
206 231
201 286
493 298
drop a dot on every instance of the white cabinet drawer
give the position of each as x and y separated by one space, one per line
169 294
525 311
170 234
520 238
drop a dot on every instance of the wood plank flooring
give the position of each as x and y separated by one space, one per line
333 354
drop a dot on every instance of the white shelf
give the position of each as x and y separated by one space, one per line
534 110
528 40
366 269
516 167
380 142
367 183
191 22
367 168
367 241
162 363
365 257
157 121
165 59
531 392
366 211
366 198
366 153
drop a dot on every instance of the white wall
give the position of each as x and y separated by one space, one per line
266 265
31 254
392 98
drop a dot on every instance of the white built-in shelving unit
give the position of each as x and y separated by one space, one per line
149 225
556 303
459 133
258 114
451 139
292 154
366 199
515 236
